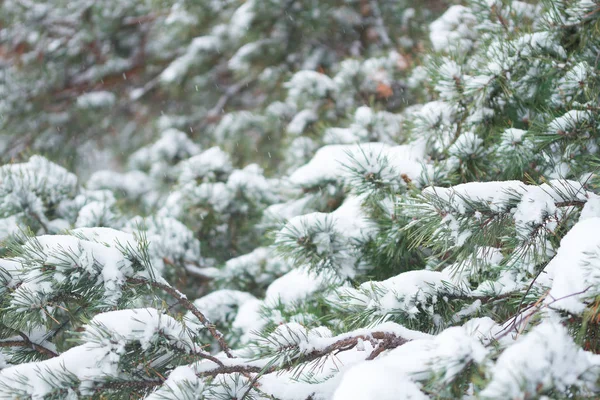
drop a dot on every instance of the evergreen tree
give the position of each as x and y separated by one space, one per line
300 200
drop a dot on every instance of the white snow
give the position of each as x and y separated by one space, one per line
103 262
407 292
309 84
394 374
98 358
199 47
376 381
133 183
331 162
144 325
497 194
536 204
96 99
567 122
208 164
249 320
591 209
574 273
293 287
453 30
544 359
466 145
183 376
301 121
221 305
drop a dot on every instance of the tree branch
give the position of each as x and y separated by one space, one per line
188 305
26 342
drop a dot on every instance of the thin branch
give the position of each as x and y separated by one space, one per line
188 305
26 342
573 203
389 342
232 369
121 385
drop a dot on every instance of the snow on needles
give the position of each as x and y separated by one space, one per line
396 375
544 359
106 337
334 162
106 265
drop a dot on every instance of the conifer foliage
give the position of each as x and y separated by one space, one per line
300 200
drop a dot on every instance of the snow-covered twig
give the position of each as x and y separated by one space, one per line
188 305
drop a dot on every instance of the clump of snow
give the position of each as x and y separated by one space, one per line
375 381
249 320
569 121
499 195
34 184
294 287
514 140
98 359
260 267
238 124
306 86
435 121
209 164
332 234
575 81
252 184
467 144
198 49
453 31
92 254
170 241
331 163
143 325
207 196
10 226
574 273
240 61
96 99
301 121
540 42
282 212
180 377
410 292
241 19
221 305
450 79
591 209
133 184
535 206
544 359
88 363
9 274
96 213
173 146
446 355
287 335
